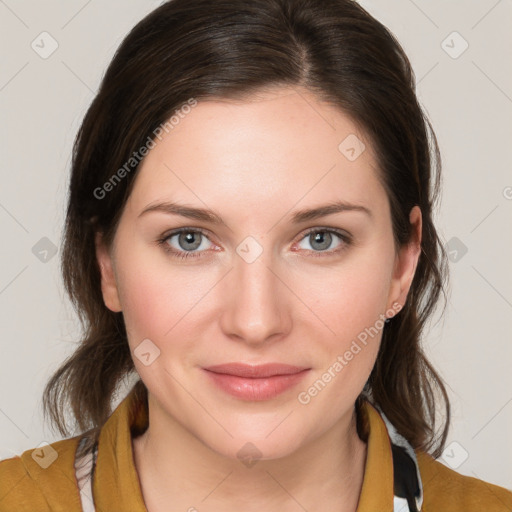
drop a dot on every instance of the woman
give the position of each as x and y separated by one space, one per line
249 233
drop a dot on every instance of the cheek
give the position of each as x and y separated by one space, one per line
143 299
156 302
351 304
162 303
158 298
352 297
350 300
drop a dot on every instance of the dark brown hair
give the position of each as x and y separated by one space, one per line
229 49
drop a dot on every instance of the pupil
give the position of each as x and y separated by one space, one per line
188 238
323 238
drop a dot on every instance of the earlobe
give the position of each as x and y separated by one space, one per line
406 262
108 278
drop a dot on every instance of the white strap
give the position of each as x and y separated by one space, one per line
83 472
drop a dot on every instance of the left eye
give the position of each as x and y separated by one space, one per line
322 239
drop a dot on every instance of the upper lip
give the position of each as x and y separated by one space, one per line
255 371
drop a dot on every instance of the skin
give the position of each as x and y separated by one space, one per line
255 162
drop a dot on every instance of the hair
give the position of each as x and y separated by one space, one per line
230 49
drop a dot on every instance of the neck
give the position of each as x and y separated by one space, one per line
175 467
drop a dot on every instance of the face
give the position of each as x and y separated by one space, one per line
256 282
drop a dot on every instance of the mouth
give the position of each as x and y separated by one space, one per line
255 382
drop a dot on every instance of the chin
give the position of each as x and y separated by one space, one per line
249 449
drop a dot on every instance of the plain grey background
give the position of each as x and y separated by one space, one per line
53 57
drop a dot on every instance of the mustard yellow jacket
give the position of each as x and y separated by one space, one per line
44 479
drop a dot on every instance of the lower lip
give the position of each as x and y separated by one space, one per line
256 389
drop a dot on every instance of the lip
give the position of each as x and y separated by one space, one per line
255 382
255 371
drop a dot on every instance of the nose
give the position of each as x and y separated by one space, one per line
256 298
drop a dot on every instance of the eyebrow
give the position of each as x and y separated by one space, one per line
300 216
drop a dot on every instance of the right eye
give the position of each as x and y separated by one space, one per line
184 243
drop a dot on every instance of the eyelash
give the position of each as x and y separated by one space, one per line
346 239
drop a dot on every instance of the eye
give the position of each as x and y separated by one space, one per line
322 239
191 243
184 243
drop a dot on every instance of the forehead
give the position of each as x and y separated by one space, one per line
271 150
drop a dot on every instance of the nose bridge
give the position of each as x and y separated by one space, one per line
257 306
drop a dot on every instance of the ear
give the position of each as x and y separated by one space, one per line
406 262
108 278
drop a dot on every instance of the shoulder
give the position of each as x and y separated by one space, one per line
39 478
445 489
